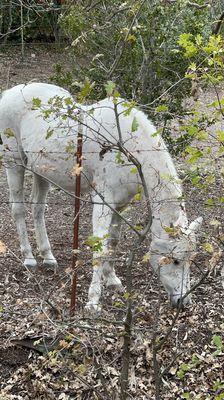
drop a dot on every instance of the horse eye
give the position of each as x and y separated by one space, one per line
176 262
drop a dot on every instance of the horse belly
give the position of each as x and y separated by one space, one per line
58 170
52 157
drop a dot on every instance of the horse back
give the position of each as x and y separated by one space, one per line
17 109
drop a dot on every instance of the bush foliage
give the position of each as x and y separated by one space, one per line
135 44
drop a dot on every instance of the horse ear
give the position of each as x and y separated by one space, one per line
194 226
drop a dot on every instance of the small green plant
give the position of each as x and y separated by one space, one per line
184 368
218 344
196 365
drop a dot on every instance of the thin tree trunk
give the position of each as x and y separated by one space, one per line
9 23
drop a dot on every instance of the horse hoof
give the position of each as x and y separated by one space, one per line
30 263
50 263
93 310
116 288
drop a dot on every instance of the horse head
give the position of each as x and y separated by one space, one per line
171 257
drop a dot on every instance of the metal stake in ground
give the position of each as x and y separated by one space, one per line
76 220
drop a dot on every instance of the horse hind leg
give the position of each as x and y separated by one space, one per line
39 195
15 177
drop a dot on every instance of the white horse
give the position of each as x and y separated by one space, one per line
24 128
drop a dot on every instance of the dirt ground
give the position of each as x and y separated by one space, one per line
46 355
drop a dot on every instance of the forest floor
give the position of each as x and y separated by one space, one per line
46 355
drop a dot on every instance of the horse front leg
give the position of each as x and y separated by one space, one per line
39 195
111 279
15 178
102 259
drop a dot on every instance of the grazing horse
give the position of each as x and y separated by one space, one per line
39 124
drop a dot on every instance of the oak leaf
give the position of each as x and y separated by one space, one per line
76 170
2 247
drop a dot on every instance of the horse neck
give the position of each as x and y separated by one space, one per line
165 194
167 213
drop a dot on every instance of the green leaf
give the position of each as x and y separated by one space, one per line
128 105
190 75
208 247
217 341
214 45
68 101
47 113
86 89
195 360
146 257
218 385
194 153
195 179
137 196
118 304
192 130
131 38
219 396
192 66
135 125
172 231
109 86
168 229
209 202
49 133
158 132
127 295
118 158
70 148
186 395
201 135
184 368
185 41
162 108
220 136
138 227
36 102
198 40
9 133
95 242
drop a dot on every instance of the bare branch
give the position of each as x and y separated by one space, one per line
216 29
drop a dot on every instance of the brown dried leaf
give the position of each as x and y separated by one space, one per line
76 170
165 261
63 344
173 370
47 168
3 247
216 256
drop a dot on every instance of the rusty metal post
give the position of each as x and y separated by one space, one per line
76 220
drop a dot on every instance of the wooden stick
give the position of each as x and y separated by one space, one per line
76 220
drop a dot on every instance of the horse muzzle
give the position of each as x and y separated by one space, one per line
177 300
